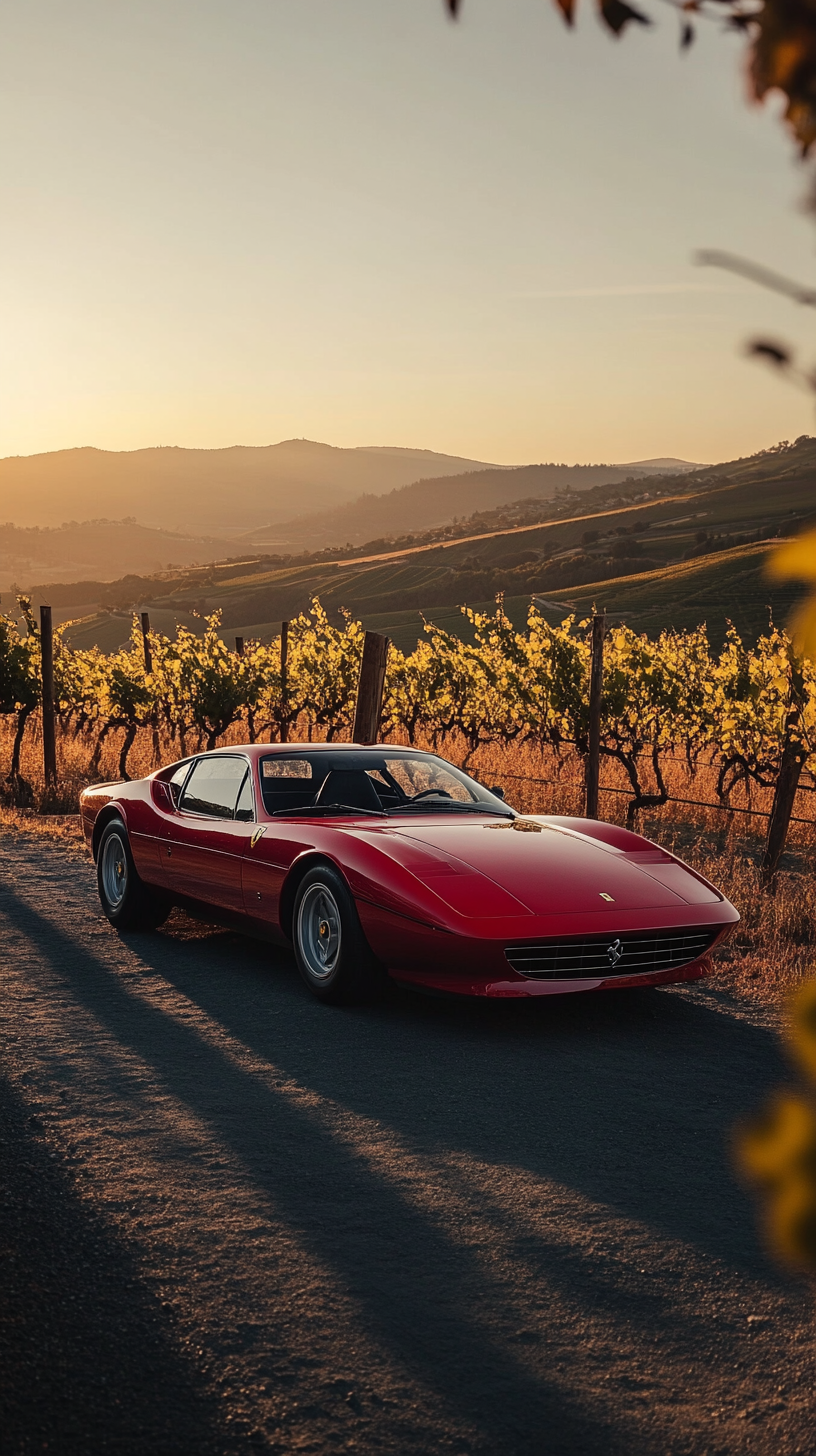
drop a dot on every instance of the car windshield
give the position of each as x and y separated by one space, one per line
371 781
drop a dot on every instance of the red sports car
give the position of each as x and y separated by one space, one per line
385 860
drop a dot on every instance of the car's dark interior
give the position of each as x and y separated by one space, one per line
323 784
288 793
351 786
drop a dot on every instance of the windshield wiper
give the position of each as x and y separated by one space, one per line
318 809
435 805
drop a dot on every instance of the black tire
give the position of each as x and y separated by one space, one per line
332 953
127 901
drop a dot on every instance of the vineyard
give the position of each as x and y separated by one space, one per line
739 711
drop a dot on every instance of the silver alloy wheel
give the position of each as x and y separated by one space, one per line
114 870
319 931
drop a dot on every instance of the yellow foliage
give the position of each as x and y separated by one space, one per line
778 1152
796 561
803 1030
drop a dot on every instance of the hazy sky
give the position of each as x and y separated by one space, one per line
237 221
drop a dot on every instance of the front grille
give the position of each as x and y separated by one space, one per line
635 954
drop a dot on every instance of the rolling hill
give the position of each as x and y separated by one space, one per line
431 502
693 553
95 548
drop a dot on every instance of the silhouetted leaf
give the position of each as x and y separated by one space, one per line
781 37
774 353
617 14
783 57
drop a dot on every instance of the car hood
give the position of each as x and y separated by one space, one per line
547 870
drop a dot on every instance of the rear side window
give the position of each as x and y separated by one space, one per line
213 787
175 780
287 768
288 783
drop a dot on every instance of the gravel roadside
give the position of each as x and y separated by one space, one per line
235 1220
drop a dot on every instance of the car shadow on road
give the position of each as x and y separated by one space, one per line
630 1098
627 1103
88 1360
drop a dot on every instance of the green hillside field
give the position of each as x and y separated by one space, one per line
727 586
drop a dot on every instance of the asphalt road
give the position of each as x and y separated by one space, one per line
234 1220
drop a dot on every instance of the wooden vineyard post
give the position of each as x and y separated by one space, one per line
370 688
790 770
239 647
284 681
48 717
593 763
148 655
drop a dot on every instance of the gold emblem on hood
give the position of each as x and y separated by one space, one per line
524 826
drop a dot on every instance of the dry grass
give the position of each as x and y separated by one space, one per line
63 828
773 949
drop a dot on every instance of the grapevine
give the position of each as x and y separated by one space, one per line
661 695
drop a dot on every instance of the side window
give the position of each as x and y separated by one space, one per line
176 780
213 786
245 809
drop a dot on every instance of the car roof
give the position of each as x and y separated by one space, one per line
262 750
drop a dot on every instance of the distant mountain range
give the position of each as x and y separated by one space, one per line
181 507
207 492
663 465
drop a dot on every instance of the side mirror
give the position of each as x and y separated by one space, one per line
497 791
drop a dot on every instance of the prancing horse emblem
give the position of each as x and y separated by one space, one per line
614 952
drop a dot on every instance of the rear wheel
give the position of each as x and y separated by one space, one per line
127 901
332 953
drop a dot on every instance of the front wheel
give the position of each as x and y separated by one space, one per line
331 950
127 901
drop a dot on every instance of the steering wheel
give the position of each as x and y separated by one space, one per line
443 794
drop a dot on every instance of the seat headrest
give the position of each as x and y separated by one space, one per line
350 786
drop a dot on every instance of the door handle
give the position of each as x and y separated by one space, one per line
257 836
